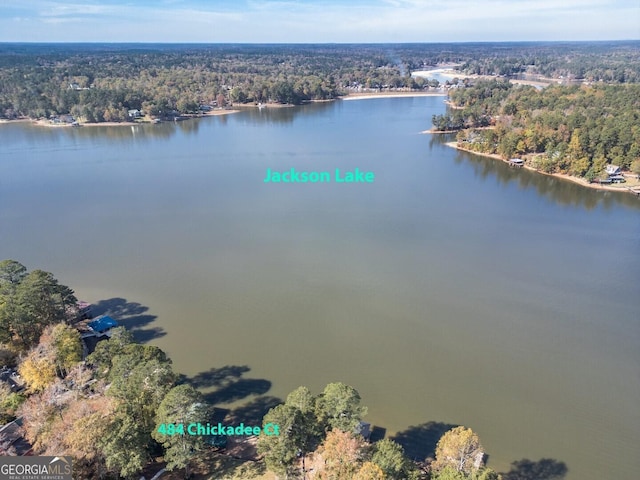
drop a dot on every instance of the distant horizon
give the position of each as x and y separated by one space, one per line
469 42
318 21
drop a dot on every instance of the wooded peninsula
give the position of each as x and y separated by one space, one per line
574 130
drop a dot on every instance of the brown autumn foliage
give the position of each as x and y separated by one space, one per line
59 421
340 455
369 471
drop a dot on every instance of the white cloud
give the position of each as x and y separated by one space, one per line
77 9
61 20
326 21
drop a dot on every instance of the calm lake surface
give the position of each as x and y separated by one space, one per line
454 290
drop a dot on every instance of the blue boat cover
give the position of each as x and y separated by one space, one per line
102 324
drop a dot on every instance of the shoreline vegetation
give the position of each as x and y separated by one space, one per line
43 122
401 94
586 134
570 178
234 108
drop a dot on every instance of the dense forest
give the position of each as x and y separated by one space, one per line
122 409
610 62
102 82
576 130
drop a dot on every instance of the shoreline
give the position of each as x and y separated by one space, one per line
435 132
47 123
210 113
452 106
562 176
235 108
263 105
365 95
432 130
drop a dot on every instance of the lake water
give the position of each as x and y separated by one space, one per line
452 291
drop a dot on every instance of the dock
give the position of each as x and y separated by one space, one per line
635 191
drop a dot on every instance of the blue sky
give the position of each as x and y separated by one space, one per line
310 21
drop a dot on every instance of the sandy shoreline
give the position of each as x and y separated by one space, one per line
48 124
245 106
212 113
433 131
563 176
364 96
17 120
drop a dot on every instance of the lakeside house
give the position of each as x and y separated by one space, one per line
65 119
612 170
102 323
134 113
617 178
94 331
603 181
615 174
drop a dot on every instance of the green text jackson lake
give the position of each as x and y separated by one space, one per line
293 176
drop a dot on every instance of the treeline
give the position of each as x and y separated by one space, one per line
320 439
325 427
473 107
30 301
121 408
610 62
103 411
576 130
102 82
